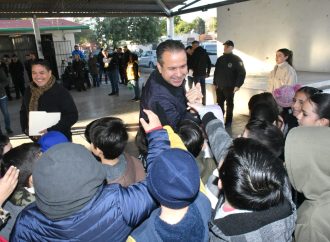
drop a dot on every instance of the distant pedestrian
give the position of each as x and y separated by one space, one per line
201 66
93 70
113 73
4 101
76 51
229 76
16 70
78 69
100 57
133 75
125 62
283 73
29 58
5 67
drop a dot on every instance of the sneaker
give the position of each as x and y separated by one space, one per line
9 131
111 94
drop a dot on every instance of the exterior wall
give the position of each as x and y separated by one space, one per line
260 27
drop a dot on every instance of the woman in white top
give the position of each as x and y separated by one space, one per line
283 73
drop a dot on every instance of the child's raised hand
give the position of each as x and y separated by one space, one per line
154 122
8 183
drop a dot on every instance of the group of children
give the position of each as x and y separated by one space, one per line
252 183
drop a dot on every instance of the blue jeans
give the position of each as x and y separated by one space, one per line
101 71
114 79
4 110
137 90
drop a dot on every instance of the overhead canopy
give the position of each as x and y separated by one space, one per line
99 8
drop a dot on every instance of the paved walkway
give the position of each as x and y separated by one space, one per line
96 103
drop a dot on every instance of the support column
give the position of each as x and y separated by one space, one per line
37 36
170 27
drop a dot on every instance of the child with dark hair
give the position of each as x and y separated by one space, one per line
265 97
24 157
265 112
5 145
193 138
220 140
315 111
252 205
268 134
174 182
108 137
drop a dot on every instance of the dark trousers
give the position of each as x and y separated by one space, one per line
7 88
201 80
226 94
101 71
19 86
114 79
122 73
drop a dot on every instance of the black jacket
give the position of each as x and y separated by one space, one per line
56 99
200 62
167 101
229 71
16 70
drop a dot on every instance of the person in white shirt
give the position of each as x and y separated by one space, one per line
283 72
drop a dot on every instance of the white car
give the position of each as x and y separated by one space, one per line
148 59
211 49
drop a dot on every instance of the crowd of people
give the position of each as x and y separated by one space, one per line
192 181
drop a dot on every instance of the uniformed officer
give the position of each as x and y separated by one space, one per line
229 76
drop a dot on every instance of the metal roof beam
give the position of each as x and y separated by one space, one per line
188 4
206 7
163 6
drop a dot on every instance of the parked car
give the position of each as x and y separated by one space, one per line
148 58
211 49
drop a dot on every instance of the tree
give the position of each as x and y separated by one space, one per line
144 30
85 36
212 25
199 25
181 26
140 30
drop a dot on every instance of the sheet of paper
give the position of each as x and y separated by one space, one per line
41 120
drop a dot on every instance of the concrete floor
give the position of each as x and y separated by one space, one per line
95 103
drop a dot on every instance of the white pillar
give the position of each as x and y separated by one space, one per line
170 27
37 36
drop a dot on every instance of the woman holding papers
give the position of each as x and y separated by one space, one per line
44 94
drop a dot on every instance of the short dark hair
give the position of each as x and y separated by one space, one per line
309 91
322 103
195 42
267 134
252 177
168 45
23 157
192 136
188 47
4 140
265 97
264 112
109 134
41 62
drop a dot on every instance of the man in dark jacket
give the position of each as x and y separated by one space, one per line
164 91
126 54
229 76
5 67
16 70
201 66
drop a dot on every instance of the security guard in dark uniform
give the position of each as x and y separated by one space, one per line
229 76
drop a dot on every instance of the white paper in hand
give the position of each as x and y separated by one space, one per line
41 120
